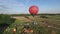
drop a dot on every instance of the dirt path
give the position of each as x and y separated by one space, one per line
22 18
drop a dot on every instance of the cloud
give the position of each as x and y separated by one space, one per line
28 0
4 7
11 6
22 4
12 3
19 5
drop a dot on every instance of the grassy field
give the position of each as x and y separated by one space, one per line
49 24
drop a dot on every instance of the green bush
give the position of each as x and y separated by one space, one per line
5 18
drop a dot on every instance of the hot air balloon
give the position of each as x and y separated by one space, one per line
33 10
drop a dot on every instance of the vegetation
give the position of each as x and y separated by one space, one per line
43 24
5 21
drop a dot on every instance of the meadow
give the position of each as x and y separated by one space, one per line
46 24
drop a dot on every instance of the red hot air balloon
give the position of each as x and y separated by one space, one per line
33 10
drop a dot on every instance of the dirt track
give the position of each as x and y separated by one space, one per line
22 18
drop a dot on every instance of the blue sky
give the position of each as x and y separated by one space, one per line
22 6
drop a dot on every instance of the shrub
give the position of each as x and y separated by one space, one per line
43 16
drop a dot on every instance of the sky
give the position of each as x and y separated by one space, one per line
22 6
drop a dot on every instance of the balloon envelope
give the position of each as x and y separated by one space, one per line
33 10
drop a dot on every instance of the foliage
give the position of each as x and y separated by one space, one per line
4 18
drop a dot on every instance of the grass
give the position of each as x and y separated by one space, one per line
52 20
